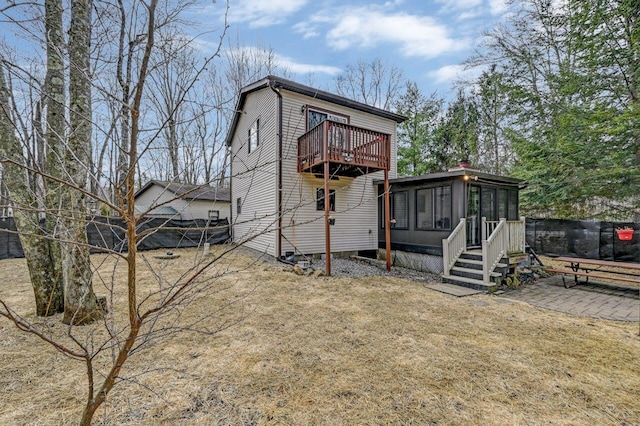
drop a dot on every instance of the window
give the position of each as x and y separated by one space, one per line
503 203
239 205
315 117
400 209
337 134
320 199
513 205
433 208
488 203
254 135
424 208
442 204
214 214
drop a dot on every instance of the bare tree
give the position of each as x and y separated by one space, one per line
68 178
373 83
175 65
22 152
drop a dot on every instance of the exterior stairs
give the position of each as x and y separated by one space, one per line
467 272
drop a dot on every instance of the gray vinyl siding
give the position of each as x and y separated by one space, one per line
254 175
356 199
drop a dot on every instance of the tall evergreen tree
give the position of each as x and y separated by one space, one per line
456 135
569 75
416 135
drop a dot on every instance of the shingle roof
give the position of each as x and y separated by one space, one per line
190 192
158 211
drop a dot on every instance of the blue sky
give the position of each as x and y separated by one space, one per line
315 40
426 39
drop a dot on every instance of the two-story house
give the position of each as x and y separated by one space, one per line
291 144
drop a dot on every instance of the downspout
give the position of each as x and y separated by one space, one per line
272 86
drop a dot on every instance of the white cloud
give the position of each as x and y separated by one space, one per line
307 30
448 5
498 7
259 55
446 74
263 13
354 28
300 68
450 73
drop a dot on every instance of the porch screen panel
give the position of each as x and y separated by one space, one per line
513 205
424 208
503 203
488 203
442 212
400 209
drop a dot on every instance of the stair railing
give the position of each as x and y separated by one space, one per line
515 233
494 249
516 230
454 245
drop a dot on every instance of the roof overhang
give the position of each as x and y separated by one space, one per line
281 83
471 175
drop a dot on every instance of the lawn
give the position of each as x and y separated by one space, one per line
297 350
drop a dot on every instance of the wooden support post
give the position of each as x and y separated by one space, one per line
327 206
387 219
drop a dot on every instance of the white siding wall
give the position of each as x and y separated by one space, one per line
356 203
254 175
199 209
195 209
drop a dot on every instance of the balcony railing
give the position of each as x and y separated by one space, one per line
347 148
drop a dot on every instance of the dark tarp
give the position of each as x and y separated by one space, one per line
582 238
109 233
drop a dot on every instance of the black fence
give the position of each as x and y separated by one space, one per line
586 239
109 233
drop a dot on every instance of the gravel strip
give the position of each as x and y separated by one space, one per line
355 268
358 268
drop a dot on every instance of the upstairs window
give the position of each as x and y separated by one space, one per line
316 116
254 135
239 205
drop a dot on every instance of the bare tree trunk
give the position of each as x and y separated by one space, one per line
124 80
80 305
35 227
172 143
45 277
54 131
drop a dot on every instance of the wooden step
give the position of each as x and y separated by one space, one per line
470 283
472 273
477 264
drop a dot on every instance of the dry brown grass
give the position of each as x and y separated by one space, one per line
335 351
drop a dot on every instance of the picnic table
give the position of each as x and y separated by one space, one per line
599 269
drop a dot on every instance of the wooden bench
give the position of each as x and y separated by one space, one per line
587 273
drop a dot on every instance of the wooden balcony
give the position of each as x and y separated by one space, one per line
351 151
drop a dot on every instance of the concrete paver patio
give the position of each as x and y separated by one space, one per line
619 303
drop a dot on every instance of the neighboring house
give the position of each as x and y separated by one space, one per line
439 218
174 200
290 144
